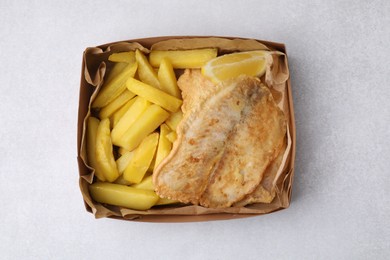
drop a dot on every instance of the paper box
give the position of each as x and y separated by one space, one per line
95 65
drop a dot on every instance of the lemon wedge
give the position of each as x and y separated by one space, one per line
251 63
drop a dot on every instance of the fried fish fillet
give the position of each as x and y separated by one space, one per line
229 134
195 89
210 112
265 192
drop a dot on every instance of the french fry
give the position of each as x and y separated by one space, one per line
164 201
131 115
115 87
124 196
121 180
123 161
114 105
146 123
145 184
154 95
164 145
104 156
183 59
122 151
145 72
167 78
114 119
152 164
172 136
92 126
141 160
174 120
127 57
114 72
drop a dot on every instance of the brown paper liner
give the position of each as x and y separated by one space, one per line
95 66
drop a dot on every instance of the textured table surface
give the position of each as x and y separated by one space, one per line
339 62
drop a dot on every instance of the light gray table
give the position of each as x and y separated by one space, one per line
339 61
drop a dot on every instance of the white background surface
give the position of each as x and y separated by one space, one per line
339 61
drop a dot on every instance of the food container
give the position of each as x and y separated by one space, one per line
94 66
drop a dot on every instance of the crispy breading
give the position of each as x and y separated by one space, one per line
195 89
